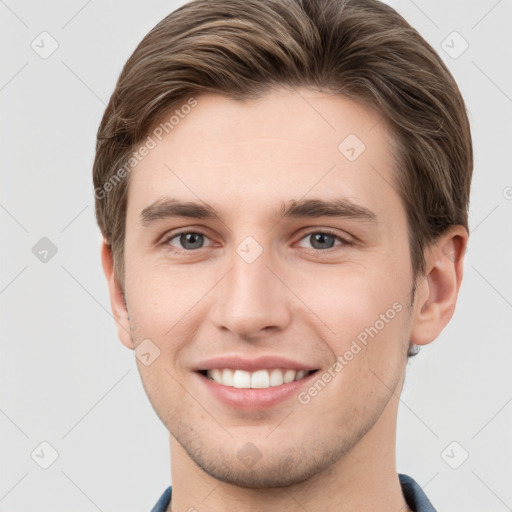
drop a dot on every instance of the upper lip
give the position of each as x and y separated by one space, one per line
237 362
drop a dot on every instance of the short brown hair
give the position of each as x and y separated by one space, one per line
362 49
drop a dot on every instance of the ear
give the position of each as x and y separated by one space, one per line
117 302
437 291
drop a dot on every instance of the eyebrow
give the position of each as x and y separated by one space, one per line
169 207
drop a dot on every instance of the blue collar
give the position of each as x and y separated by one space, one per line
413 494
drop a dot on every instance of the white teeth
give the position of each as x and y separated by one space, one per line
227 377
241 379
259 379
217 375
289 376
276 377
300 374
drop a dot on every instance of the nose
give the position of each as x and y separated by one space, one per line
252 299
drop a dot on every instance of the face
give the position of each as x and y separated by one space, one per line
275 311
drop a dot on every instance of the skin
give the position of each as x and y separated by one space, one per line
295 300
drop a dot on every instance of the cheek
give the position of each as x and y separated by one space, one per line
370 322
160 296
365 310
350 298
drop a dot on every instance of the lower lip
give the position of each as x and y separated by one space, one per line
254 399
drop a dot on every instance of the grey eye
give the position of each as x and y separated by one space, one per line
189 240
322 240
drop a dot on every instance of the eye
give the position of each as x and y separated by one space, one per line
324 240
188 240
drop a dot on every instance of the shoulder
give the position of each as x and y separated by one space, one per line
414 495
163 502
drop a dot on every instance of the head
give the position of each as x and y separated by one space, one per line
328 151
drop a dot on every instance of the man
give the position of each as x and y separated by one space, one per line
282 188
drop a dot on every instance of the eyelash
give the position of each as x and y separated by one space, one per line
343 241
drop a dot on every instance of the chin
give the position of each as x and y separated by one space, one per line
275 469
280 474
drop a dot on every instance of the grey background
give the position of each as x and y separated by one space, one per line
65 377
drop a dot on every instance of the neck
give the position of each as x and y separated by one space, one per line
365 479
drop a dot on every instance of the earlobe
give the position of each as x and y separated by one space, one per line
438 289
117 300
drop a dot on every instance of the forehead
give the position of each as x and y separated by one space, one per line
255 154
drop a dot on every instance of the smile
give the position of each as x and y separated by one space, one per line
259 379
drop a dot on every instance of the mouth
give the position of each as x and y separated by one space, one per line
258 379
253 384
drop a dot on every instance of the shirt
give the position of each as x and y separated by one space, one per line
413 494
